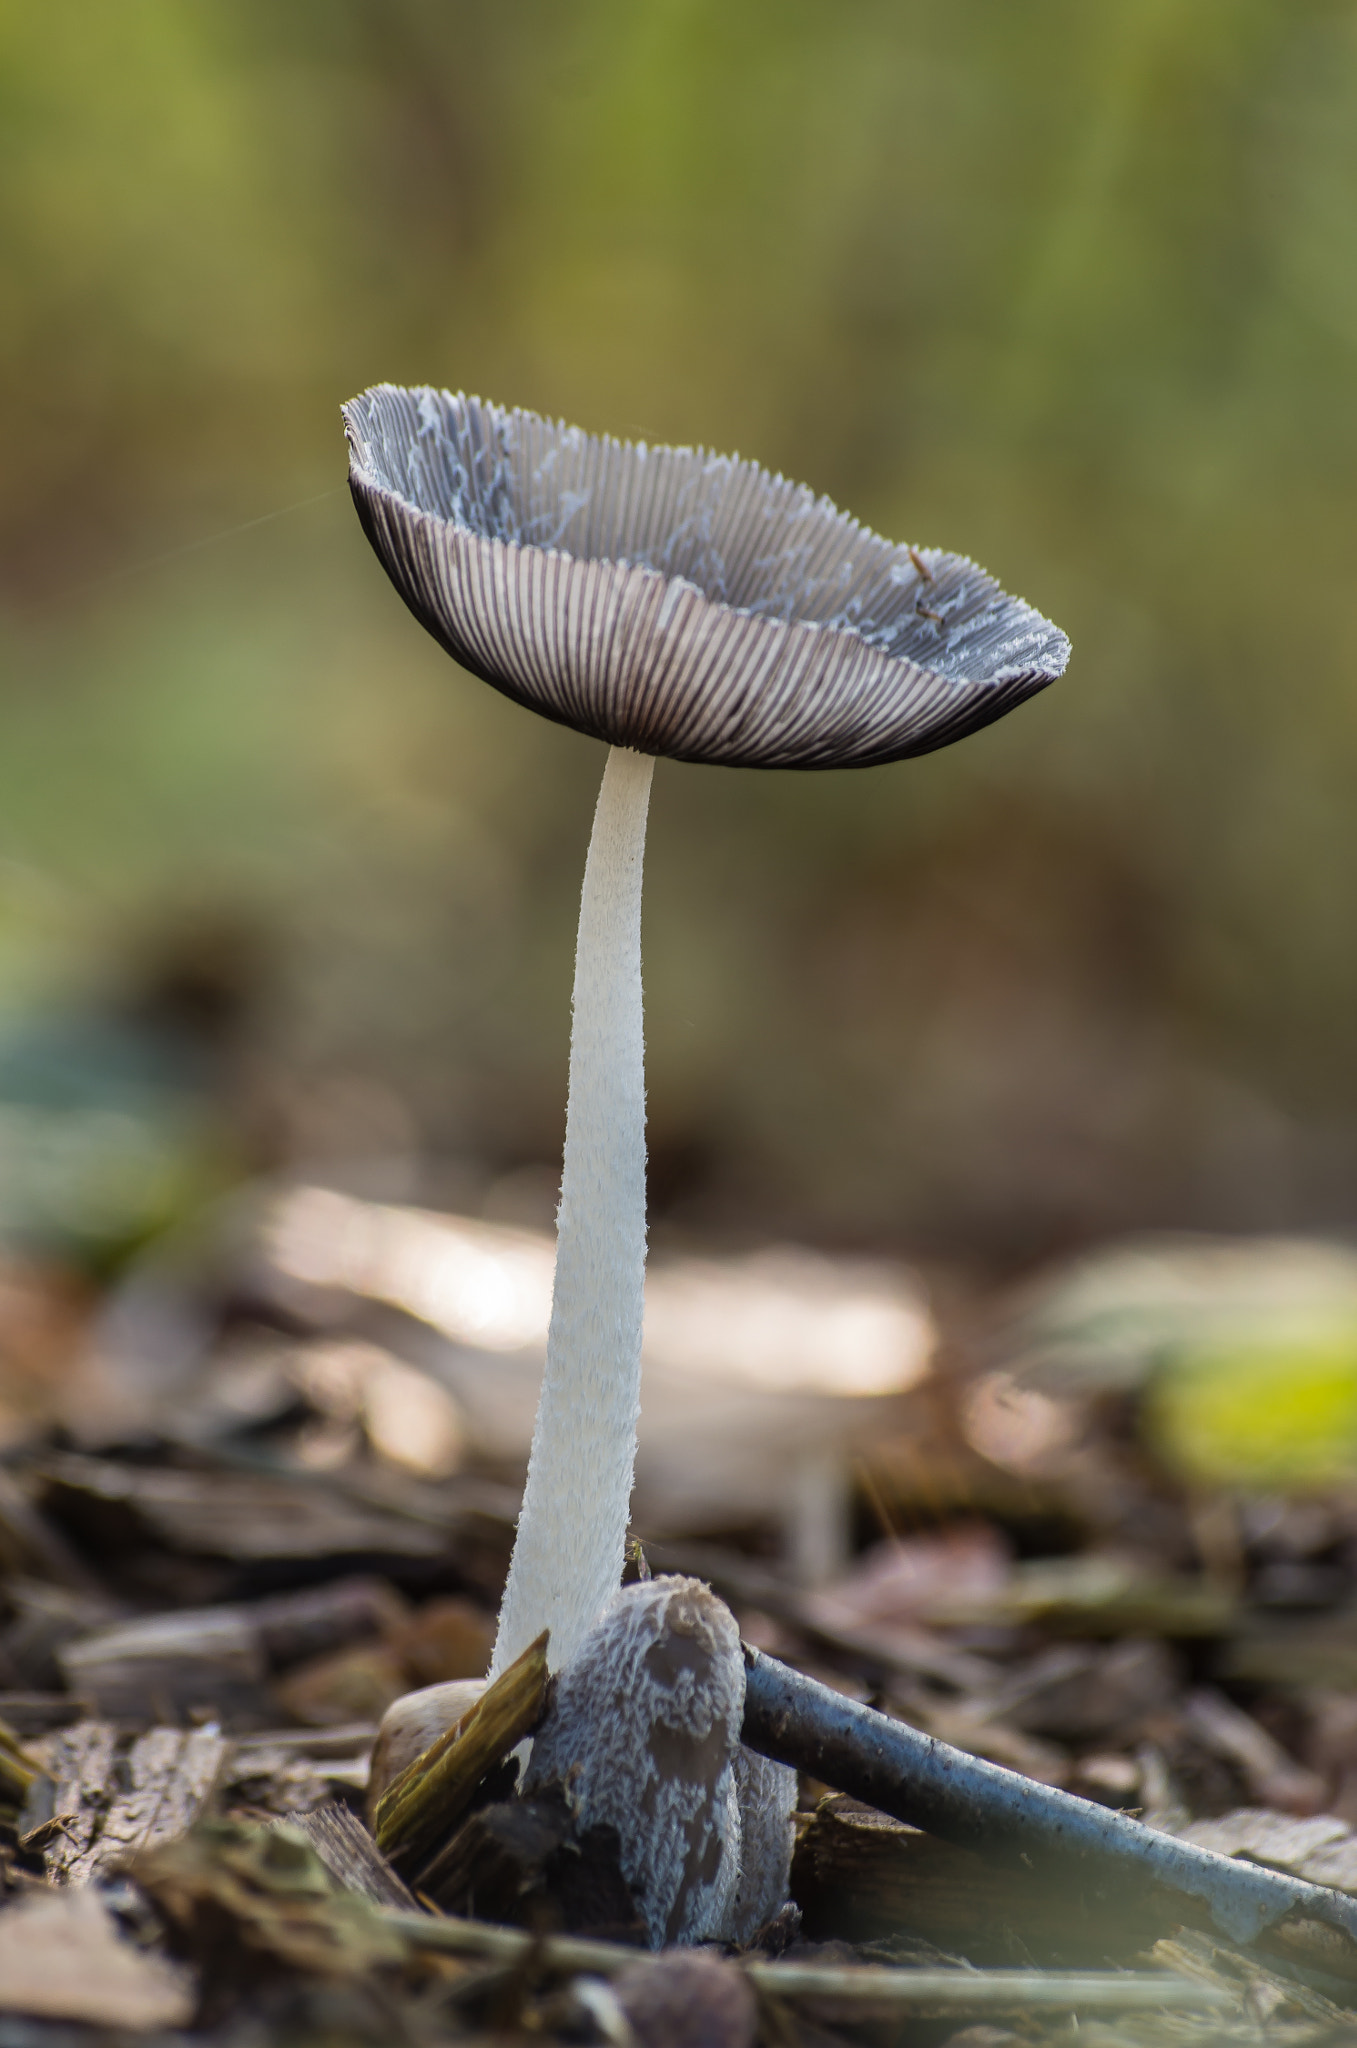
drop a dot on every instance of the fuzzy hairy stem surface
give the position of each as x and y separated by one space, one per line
567 1559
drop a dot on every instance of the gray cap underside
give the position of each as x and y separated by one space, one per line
679 602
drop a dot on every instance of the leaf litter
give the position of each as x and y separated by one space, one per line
210 1598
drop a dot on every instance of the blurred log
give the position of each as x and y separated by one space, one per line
42 1617
859 1876
241 1517
161 1667
29 1543
294 1626
288 1773
1314 1650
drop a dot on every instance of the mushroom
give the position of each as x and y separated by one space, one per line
668 601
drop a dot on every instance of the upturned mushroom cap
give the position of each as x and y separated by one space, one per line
679 602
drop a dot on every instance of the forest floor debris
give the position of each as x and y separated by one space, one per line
202 1624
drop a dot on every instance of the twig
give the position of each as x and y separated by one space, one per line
1014 1820
878 1984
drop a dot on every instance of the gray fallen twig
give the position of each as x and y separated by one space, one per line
1014 1820
954 1992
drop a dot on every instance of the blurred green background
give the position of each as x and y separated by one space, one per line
1069 288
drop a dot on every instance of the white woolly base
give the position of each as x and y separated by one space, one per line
767 1793
567 1557
642 1735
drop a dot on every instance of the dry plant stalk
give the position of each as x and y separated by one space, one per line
884 1986
416 1814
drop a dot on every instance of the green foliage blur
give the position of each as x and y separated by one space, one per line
1069 288
1266 1414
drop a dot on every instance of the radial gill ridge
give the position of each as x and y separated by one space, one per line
676 601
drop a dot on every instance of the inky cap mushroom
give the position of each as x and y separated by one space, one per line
670 602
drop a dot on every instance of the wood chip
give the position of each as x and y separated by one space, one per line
351 1856
61 1958
242 1899
163 1666
168 1778
167 1666
1273 1778
108 1805
1321 1849
81 1763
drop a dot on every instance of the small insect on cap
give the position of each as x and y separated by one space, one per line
678 602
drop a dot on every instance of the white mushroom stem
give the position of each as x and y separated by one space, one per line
567 1559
